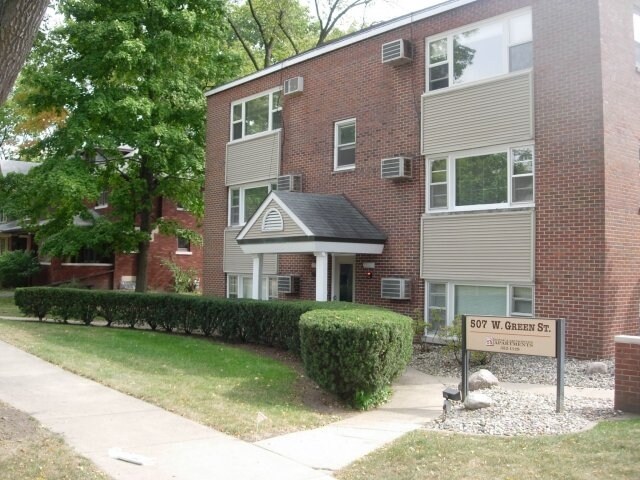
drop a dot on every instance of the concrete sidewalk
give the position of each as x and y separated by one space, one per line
94 419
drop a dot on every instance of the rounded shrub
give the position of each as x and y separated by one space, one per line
357 353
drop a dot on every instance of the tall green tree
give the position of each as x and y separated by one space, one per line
19 22
269 31
124 72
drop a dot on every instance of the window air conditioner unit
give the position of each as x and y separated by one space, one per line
290 183
294 86
396 168
288 284
396 288
397 52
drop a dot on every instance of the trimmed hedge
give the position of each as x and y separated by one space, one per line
354 351
356 354
273 323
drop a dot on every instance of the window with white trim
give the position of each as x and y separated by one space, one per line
241 286
344 155
245 200
490 178
485 50
636 34
257 114
447 300
184 245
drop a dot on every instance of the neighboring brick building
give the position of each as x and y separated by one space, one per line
113 271
494 143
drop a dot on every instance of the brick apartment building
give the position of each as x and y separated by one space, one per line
480 156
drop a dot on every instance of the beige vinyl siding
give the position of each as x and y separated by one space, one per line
479 246
253 160
490 113
237 262
291 229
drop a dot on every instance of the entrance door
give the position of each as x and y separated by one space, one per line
343 278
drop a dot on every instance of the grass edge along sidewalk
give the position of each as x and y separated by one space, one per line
224 387
609 450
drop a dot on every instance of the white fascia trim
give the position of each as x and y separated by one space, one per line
341 43
272 196
311 247
87 264
629 339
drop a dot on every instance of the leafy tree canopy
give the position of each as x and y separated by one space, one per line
129 73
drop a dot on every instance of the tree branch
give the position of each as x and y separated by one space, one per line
286 33
244 44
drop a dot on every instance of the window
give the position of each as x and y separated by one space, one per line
438 183
244 201
89 256
255 115
510 300
491 179
437 306
486 50
636 34
184 245
103 199
345 145
241 286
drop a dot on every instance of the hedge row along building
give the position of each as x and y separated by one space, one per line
480 156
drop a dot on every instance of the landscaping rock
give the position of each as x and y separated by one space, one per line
597 367
476 401
482 379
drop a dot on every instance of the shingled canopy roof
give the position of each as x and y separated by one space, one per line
310 217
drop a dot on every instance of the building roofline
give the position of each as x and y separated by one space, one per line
342 42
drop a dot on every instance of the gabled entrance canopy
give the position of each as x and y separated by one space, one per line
289 222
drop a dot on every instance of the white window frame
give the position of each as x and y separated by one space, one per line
451 179
267 292
337 145
243 102
183 250
506 44
450 302
271 184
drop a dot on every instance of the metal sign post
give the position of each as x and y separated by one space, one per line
560 338
465 360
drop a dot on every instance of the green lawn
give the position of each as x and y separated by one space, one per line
8 308
608 451
211 383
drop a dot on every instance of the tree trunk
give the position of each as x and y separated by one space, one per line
19 22
142 259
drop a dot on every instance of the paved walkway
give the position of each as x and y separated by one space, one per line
94 419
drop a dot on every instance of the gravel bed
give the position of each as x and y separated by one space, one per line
520 413
515 412
515 368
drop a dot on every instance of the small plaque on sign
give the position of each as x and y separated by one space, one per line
520 336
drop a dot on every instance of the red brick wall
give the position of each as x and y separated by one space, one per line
586 113
95 276
385 100
164 247
627 392
621 106
587 182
